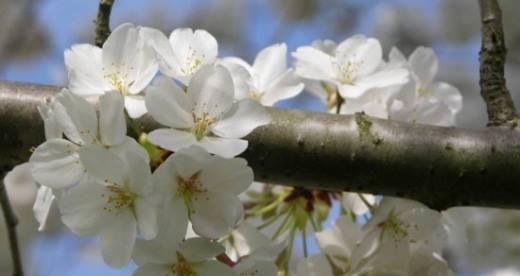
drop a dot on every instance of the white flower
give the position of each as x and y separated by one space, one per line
56 163
396 228
190 257
340 241
125 64
353 68
422 100
357 205
204 188
116 200
185 53
268 80
206 115
257 252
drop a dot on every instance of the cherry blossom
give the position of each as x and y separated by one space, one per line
268 80
124 64
184 53
116 200
205 115
353 68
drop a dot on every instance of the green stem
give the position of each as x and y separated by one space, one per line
134 126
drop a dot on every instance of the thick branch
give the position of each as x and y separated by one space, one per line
439 166
103 21
11 222
500 106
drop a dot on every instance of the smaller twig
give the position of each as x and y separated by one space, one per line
103 21
500 106
11 221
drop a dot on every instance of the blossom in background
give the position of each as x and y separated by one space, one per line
339 242
205 115
125 64
185 53
268 80
116 200
204 187
423 100
257 252
353 68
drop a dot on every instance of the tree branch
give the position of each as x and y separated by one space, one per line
11 222
441 167
500 106
103 21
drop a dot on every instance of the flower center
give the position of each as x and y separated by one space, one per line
202 124
398 228
117 79
424 92
193 62
255 95
188 187
182 267
118 197
347 71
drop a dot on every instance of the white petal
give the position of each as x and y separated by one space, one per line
118 239
121 48
327 46
84 66
135 106
396 57
437 113
249 267
213 222
314 64
243 118
173 222
211 91
159 42
384 78
81 208
153 270
168 104
354 203
112 124
349 46
230 175
190 160
42 206
424 64
77 118
106 166
51 125
269 64
56 164
200 249
367 57
192 50
212 268
352 91
171 139
285 87
225 147
144 68
448 94
130 144
241 72
316 265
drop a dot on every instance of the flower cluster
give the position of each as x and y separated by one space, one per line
178 201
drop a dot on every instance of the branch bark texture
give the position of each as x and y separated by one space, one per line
500 106
103 21
441 167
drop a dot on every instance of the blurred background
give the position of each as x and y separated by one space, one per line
35 33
